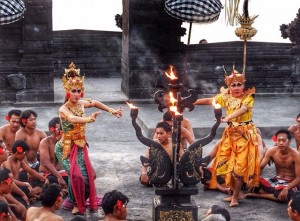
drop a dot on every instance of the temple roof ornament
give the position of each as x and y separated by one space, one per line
292 31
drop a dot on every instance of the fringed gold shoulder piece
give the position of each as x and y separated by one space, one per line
250 91
224 90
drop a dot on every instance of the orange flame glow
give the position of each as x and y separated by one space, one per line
131 106
216 105
172 98
173 107
171 75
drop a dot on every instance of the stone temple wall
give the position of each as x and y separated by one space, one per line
26 61
151 42
96 53
31 54
269 66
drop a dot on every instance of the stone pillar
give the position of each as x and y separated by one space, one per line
150 43
35 72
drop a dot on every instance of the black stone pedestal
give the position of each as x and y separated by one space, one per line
175 204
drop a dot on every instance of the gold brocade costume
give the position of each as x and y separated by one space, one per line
72 133
237 154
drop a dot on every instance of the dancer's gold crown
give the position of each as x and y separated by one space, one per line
72 78
235 77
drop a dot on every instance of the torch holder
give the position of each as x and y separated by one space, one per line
175 204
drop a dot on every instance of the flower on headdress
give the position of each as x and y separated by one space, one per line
52 129
3 214
7 181
20 149
274 138
1 151
7 117
23 120
119 204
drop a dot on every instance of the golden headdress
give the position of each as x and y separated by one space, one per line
235 77
72 78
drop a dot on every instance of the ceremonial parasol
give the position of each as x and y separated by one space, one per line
198 11
11 11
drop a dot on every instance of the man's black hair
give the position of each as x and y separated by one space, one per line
15 112
25 115
110 200
284 131
167 127
216 209
295 202
167 116
53 122
20 143
49 194
4 174
3 207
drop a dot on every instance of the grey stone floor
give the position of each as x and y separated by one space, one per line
115 150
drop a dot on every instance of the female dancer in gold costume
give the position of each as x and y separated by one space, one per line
71 149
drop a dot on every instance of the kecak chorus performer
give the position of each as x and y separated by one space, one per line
71 149
238 154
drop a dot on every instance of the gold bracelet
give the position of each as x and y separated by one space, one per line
87 119
111 111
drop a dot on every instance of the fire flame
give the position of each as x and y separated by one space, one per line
131 105
171 75
172 98
173 107
216 105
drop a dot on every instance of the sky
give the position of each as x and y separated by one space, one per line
100 15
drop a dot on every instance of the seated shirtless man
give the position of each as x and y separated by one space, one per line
9 130
295 130
16 162
31 135
186 136
287 165
163 134
50 166
15 210
51 199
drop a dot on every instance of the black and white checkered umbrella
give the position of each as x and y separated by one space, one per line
11 11
199 11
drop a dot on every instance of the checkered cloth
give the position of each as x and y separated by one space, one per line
199 11
11 11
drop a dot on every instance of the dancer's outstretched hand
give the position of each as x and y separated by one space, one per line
118 113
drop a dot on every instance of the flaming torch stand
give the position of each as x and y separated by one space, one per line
173 202
174 179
